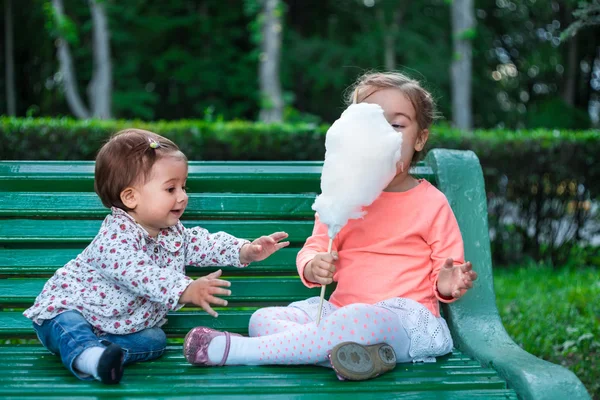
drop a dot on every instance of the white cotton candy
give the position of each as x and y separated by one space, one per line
361 153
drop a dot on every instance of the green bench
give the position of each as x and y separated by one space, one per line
49 213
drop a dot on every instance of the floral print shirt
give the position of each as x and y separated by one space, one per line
125 280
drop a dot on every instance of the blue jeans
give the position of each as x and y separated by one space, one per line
69 334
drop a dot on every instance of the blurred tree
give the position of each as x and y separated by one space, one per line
271 105
9 60
390 26
588 14
524 67
36 78
463 31
99 89
568 92
329 44
183 59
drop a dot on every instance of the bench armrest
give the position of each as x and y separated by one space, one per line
474 320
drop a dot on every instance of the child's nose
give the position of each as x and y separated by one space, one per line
183 196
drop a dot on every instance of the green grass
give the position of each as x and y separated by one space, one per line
555 315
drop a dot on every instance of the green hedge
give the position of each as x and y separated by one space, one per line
535 180
558 152
68 139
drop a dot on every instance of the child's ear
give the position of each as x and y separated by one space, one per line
129 197
421 140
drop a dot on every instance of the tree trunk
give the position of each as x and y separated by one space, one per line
390 32
596 98
572 64
461 75
588 52
568 94
389 38
592 97
66 67
100 87
270 86
11 98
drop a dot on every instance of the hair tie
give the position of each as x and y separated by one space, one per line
154 144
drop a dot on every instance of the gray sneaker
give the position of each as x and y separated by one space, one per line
357 362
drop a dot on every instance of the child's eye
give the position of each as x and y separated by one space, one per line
397 126
170 190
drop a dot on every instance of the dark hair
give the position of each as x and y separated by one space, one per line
127 159
420 98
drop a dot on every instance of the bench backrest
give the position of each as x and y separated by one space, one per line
49 213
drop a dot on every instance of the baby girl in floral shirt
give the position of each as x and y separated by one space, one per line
104 309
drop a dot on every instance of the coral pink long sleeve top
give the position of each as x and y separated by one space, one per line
396 250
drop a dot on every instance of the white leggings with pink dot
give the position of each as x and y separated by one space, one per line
288 335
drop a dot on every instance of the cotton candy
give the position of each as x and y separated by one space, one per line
361 153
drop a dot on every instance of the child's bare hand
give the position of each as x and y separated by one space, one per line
455 280
321 268
262 247
202 292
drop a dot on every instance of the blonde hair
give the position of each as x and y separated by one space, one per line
421 99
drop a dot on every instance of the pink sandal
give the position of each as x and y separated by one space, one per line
195 345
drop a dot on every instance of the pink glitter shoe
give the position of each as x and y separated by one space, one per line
195 345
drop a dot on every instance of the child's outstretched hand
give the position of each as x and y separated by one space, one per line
262 247
321 268
202 292
455 280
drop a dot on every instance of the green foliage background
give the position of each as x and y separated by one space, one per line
187 59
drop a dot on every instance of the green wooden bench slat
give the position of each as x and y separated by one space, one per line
219 383
262 177
362 393
488 378
14 324
456 361
243 290
239 177
38 359
286 385
65 230
201 205
31 351
23 262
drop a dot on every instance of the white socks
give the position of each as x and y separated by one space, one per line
87 362
242 350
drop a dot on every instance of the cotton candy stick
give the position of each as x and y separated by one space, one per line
323 288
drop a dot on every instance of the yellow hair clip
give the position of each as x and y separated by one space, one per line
154 144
